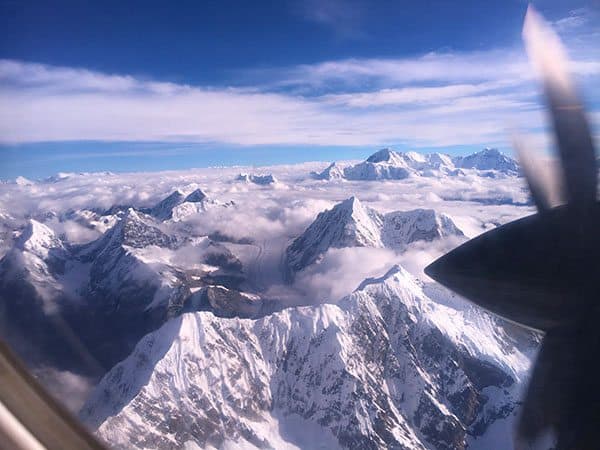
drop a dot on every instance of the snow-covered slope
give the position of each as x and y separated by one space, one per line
488 159
32 293
347 224
331 172
38 259
401 228
112 291
139 276
351 224
385 368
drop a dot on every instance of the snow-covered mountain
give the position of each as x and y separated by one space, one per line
488 159
226 361
387 164
100 221
386 367
352 224
347 224
177 205
38 259
163 210
262 180
331 172
32 294
139 276
125 284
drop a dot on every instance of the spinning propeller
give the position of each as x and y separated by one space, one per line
543 271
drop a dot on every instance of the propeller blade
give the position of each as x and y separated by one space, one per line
576 150
542 412
562 395
535 181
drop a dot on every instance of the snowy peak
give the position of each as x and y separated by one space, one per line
388 164
385 164
347 224
22 181
262 180
442 163
137 231
361 222
385 155
401 228
395 271
163 210
351 224
196 196
488 159
133 229
331 172
177 206
39 239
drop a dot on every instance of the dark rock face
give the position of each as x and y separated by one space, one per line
225 302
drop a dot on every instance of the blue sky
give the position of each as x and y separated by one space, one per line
127 86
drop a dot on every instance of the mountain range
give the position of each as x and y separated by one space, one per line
385 367
189 337
387 164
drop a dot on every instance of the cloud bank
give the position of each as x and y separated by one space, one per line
433 100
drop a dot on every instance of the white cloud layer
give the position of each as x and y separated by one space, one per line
432 100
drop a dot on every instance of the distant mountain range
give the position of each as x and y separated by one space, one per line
387 164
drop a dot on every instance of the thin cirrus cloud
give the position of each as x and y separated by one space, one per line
433 100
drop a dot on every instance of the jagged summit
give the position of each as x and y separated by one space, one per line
262 180
163 210
400 228
196 196
177 205
38 239
132 229
347 224
488 159
385 155
138 230
395 269
351 224
331 172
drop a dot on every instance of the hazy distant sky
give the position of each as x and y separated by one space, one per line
125 86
